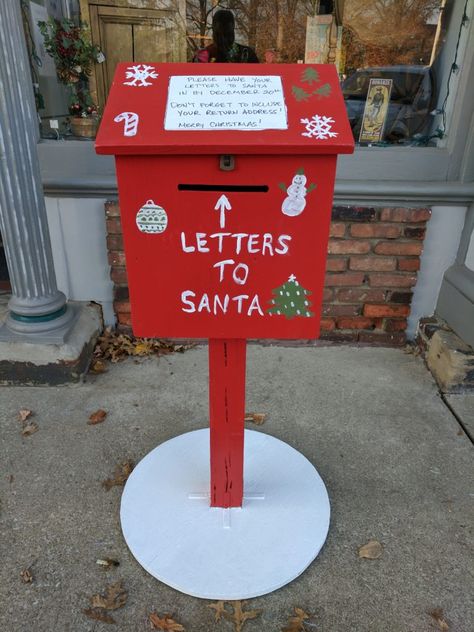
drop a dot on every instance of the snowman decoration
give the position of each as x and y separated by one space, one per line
295 202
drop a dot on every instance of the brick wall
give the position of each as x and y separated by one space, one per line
373 259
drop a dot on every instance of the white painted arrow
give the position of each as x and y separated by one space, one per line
222 205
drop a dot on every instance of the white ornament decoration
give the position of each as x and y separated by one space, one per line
319 127
131 122
139 74
152 219
295 203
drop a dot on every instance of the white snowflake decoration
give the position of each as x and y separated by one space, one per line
139 75
319 127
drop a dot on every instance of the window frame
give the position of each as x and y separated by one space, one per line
404 174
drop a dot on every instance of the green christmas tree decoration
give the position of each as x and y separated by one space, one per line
310 75
300 94
323 91
290 300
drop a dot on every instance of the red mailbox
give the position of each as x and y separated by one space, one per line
226 176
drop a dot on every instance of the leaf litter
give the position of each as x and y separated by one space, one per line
238 616
98 417
115 597
121 474
165 623
26 575
296 622
114 347
98 366
438 615
257 418
98 615
219 607
27 427
371 551
107 562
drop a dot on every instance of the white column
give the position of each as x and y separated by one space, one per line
37 308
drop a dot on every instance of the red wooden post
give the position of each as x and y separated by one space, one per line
227 411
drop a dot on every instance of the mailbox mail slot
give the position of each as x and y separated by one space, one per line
226 176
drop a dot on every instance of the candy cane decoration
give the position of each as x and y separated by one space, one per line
131 122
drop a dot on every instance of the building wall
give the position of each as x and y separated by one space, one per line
369 246
469 263
372 267
78 240
441 243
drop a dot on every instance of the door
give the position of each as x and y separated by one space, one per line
126 33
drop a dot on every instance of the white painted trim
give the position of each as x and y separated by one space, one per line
441 244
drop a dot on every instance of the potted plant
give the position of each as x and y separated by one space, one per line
69 45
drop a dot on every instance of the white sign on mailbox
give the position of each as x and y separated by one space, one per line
225 102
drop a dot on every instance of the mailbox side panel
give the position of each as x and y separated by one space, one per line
226 254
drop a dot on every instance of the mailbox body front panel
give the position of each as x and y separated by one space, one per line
226 254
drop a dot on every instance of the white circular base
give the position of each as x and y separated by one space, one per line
216 553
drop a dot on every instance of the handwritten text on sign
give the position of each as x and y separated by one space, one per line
216 102
237 245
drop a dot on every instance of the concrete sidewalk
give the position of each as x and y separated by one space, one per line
397 465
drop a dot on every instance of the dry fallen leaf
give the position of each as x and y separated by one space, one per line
97 417
438 616
296 623
145 347
122 472
257 418
98 366
165 623
107 562
26 576
115 597
114 347
239 616
412 349
98 615
29 429
219 607
371 551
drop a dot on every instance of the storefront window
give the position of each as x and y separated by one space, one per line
391 62
71 87
397 59
390 55
52 97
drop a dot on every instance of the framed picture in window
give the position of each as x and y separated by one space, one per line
375 110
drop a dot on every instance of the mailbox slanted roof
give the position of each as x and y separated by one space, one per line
224 109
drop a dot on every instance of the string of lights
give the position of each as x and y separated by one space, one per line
440 131
454 69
